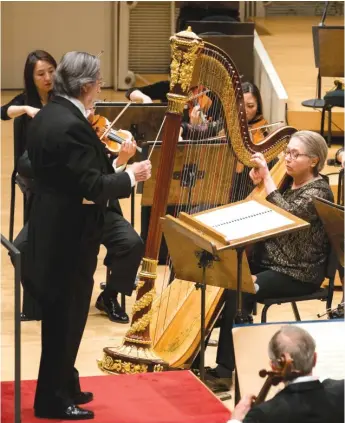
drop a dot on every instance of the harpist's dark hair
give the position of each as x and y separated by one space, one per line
248 87
31 93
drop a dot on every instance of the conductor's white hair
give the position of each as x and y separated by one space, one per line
74 71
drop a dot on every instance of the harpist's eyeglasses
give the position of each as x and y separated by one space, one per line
100 82
294 154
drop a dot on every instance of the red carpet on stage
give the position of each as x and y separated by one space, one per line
167 397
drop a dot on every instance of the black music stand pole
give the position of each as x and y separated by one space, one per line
205 260
17 327
132 206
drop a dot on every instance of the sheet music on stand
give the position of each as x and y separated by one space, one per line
243 219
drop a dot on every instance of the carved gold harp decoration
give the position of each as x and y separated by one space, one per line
158 340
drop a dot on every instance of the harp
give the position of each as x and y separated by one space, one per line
165 330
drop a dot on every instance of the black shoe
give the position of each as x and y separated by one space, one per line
25 318
83 398
216 382
73 412
113 310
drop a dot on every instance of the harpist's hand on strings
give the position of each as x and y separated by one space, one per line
260 170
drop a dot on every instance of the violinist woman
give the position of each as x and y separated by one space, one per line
124 246
293 264
253 105
200 117
256 124
38 83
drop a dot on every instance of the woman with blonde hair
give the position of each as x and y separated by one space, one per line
289 265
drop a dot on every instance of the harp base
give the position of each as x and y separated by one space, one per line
131 359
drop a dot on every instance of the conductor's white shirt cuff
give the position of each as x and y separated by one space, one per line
129 171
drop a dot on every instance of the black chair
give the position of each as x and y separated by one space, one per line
323 294
332 99
19 128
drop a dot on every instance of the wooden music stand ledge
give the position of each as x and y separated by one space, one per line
207 247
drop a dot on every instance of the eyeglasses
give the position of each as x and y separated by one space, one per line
100 82
293 154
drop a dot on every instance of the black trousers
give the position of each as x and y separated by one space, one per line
124 253
272 284
63 323
125 250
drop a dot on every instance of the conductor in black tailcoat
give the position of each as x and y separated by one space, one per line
75 180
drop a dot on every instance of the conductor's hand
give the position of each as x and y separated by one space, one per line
260 170
127 150
142 170
242 408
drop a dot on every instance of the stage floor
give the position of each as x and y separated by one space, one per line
291 52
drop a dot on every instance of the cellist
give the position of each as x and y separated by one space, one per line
304 398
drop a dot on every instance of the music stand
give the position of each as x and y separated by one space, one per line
206 256
328 42
332 216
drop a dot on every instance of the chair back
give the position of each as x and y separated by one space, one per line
19 137
331 268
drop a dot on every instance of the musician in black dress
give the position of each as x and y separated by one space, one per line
289 265
123 244
74 181
38 83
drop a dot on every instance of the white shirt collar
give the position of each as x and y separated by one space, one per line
77 103
302 379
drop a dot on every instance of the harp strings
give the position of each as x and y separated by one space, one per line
215 158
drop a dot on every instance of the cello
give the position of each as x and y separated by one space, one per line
283 372
165 329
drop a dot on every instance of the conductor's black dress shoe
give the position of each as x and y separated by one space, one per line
83 398
113 309
72 412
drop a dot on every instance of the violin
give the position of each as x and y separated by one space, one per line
114 138
199 99
283 373
258 130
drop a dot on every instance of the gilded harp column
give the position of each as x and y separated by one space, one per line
136 354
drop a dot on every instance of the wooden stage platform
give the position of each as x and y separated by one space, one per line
288 41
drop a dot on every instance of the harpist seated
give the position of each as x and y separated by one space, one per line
290 265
